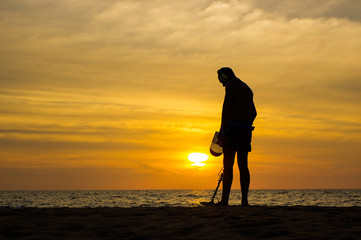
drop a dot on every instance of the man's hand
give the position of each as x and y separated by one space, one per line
222 139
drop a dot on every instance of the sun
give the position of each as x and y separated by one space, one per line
197 159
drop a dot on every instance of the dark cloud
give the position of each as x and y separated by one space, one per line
74 178
47 146
312 8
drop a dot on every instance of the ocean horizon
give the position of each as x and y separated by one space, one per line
175 198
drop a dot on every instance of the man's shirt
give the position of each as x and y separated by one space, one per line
238 104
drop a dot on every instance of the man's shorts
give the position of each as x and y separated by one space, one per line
238 137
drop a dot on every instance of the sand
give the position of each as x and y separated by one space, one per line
234 222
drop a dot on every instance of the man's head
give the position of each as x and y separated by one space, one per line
225 74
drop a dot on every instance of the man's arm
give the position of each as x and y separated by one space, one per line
253 112
226 110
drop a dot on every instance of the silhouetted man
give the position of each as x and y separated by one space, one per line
238 115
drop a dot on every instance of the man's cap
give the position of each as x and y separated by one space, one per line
228 71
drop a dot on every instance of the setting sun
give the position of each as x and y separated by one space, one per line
197 159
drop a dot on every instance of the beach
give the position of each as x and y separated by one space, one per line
233 222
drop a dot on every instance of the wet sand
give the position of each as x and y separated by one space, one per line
234 222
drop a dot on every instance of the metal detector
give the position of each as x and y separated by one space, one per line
220 174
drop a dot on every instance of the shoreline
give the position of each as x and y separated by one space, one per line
232 222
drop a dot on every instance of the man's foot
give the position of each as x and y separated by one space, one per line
245 204
222 203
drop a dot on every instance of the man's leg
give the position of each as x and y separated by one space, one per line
228 161
242 158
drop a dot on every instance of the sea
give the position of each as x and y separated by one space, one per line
175 198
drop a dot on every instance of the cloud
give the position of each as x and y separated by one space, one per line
74 178
132 50
312 8
108 41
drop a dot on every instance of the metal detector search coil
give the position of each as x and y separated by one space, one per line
215 149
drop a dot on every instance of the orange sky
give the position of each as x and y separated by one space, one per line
115 94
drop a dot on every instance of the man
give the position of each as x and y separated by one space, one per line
238 114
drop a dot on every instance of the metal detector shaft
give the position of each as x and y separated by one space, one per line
215 191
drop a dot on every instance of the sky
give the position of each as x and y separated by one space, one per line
107 94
